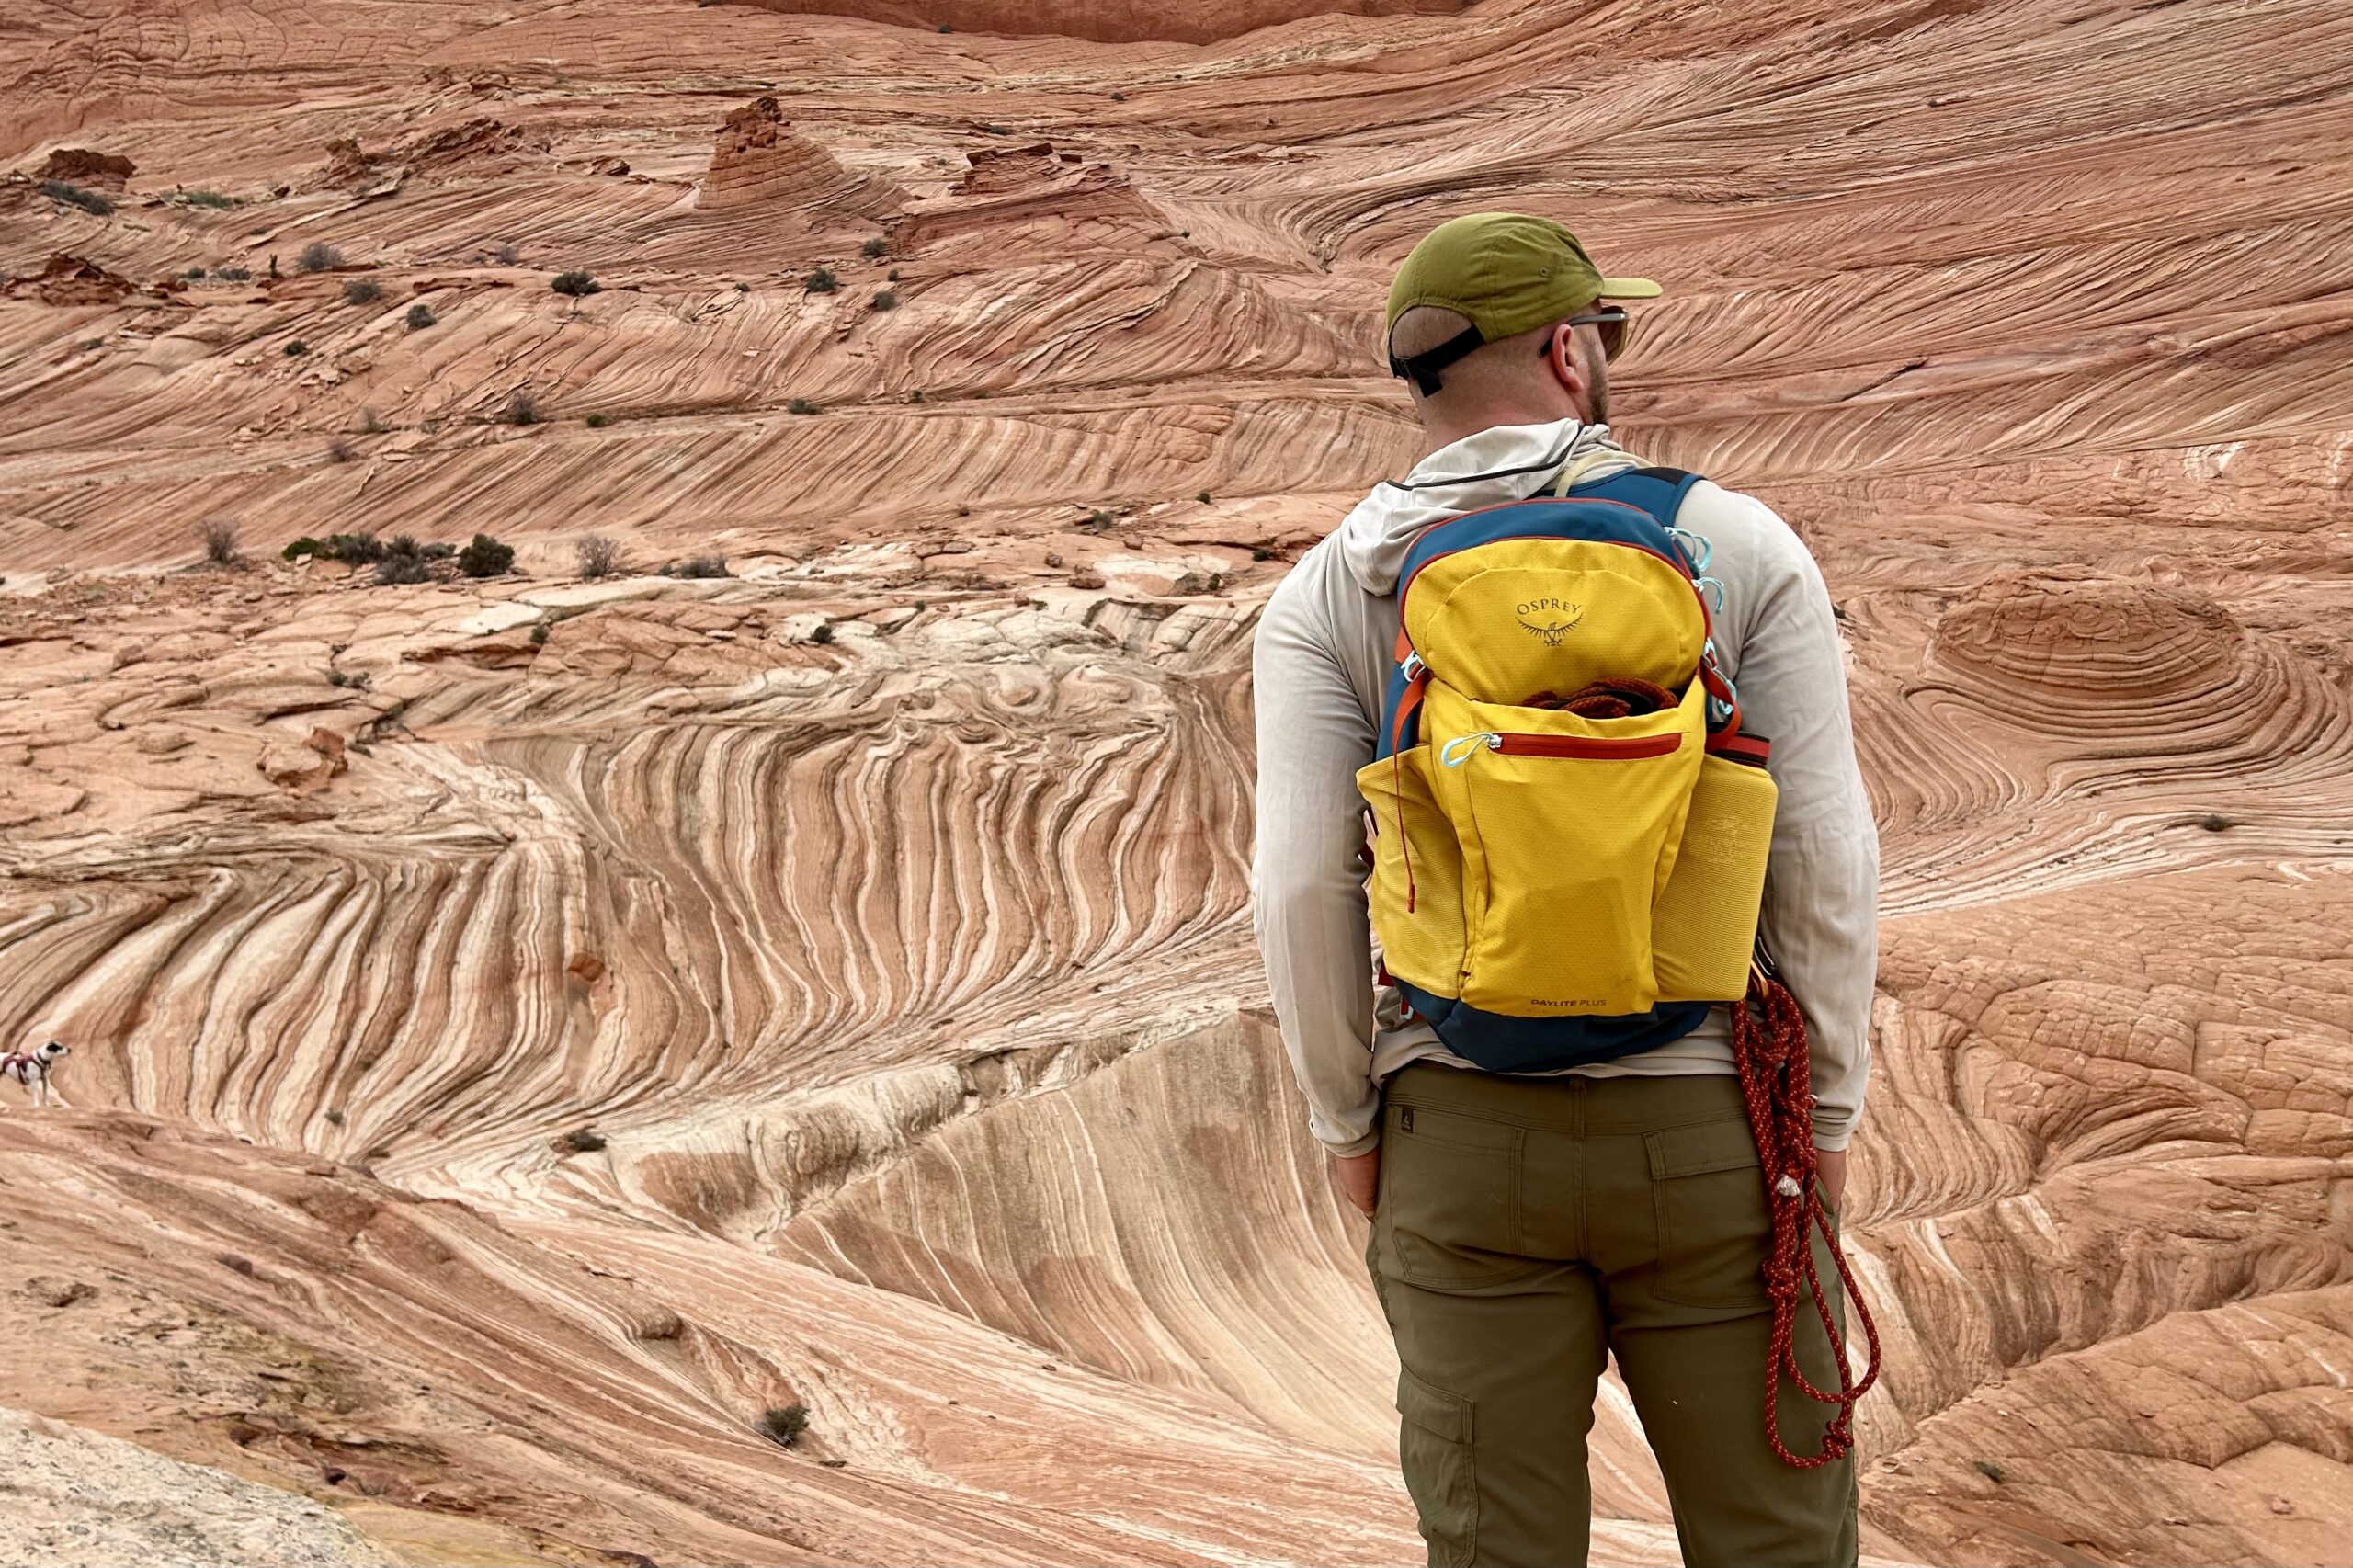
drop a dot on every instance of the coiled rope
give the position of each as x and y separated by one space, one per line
1768 1046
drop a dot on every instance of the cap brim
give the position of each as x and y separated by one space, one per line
1630 288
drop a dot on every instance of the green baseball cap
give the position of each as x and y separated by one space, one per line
1509 273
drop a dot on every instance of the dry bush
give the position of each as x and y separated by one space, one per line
783 1424
600 557
220 537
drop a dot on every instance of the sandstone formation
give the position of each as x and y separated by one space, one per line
527 1030
760 168
1111 21
78 1499
85 166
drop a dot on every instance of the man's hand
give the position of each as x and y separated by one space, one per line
1360 1176
1830 1174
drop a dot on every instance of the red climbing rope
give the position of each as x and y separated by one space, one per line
1769 1047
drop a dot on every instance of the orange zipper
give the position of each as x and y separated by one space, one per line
1584 745
1457 751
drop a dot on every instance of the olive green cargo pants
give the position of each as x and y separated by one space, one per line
1528 1228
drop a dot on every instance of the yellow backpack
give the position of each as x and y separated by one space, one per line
1569 827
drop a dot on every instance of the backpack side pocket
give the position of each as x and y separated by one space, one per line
1704 927
1417 891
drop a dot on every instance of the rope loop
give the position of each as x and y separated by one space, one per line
1768 1045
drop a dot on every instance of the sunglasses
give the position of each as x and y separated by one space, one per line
1615 324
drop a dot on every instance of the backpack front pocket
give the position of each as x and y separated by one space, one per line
1575 824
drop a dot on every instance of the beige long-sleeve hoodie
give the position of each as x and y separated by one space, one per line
1322 655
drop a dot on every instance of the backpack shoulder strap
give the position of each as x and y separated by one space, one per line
1658 491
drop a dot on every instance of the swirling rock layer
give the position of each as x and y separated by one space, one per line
525 1030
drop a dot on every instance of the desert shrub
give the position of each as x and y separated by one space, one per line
1100 519
318 256
916 396
305 546
598 556
892 275
886 300
576 283
874 247
1260 553
998 129
741 287
220 537
193 274
2214 822
362 291
440 550
595 422
297 348
783 1424
1203 497
1991 1472
507 254
402 569
521 409
801 405
334 1117
420 316
91 201
233 274
1118 98
340 450
825 632
207 198
539 634
702 566
485 557
369 424
821 281
581 1140
353 549
404 544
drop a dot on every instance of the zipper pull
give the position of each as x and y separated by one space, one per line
1457 751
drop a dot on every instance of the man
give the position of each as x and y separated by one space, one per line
1526 1227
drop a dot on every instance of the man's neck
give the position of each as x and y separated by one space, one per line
1441 431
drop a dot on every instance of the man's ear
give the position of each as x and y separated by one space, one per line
1560 354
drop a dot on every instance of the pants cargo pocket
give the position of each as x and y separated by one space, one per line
1434 1449
1713 1226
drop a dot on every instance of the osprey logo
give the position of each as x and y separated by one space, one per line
1558 619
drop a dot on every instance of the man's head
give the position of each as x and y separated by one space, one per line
1501 319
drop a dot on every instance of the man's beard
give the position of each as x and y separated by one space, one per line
1597 381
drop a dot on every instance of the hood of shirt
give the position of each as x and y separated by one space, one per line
1507 462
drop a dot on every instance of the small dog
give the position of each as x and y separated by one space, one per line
32 1069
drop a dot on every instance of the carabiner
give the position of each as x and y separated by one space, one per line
1685 538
